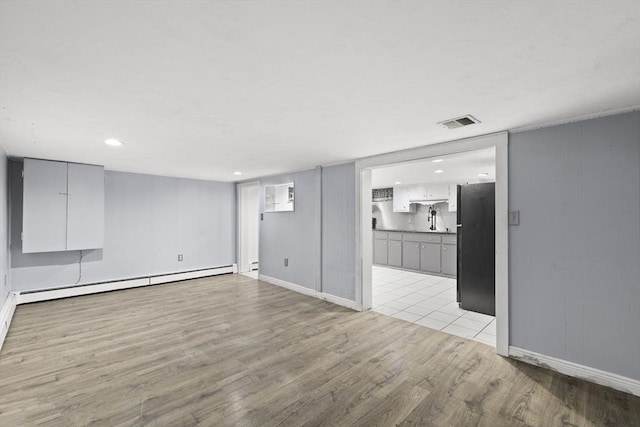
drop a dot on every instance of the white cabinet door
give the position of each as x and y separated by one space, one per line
401 200
418 192
85 207
453 198
438 192
44 206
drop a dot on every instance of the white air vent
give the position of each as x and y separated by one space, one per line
459 122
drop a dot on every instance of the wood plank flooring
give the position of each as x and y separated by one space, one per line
233 351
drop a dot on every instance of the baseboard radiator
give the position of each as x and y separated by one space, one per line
37 295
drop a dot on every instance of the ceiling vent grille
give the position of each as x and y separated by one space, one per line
459 122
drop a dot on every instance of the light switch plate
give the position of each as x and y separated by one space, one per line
514 217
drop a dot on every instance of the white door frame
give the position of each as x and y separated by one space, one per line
364 233
239 188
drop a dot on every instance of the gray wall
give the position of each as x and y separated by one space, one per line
4 230
293 235
339 230
574 261
318 238
148 221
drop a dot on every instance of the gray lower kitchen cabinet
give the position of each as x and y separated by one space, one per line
411 255
430 257
380 251
432 253
449 260
394 251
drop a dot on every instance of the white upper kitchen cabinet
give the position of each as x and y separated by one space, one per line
438 192
63 206
453 197
417 192
401 200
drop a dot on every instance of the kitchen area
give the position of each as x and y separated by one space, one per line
433 243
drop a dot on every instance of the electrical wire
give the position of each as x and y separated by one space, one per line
80 267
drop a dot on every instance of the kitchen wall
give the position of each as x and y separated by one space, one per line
574 270
149 220
418 221
4 229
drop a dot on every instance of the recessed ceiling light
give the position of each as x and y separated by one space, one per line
237 173
438 171
483 174
397 182
113 142
437 160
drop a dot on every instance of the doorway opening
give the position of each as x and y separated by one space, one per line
421 271
409 258
248 228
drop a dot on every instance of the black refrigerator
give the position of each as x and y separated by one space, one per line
476 248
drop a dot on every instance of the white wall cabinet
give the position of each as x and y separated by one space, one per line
438 192
417 192
401 200
63 206
453 197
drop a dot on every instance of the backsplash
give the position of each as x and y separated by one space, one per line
387 219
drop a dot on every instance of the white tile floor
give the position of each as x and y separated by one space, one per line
429 301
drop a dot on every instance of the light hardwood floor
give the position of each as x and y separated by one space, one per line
234 351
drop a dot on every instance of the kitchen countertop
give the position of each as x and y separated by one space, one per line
414 231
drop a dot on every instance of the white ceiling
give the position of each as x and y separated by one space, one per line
461 168
201 89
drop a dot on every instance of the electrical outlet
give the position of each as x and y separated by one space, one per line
180 257
286 262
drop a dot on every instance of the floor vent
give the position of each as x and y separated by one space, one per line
459 122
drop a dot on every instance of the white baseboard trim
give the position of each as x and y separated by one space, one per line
341 301
311 292
74 291
618 382
6 314
289 285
